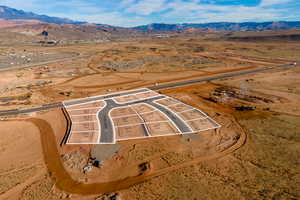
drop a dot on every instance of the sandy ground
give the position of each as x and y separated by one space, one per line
253 156
21 158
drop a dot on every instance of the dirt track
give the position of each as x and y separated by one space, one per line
65 182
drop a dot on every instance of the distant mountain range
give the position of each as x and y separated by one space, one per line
11 17
225 26
14 14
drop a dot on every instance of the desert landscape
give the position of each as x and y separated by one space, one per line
195 114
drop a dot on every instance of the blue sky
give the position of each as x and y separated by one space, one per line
137 12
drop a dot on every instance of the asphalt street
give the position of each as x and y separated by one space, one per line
107 131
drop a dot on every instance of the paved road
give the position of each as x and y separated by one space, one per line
178 121
102 97
30 110
216 77
107 130
171 85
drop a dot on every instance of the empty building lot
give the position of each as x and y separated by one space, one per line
131 115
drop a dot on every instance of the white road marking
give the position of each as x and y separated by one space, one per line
114 93
96 131
82 115
90 131
175 104
202 118
137 99
82 143
175 114
152 136
87 108
169 119
79 99
142 113
186 110
200 130
132 109
143 120
118 117
136 124
82 122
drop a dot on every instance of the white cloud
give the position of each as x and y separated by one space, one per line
19 4
273 2
146 7
241 14
194 12
111 18
125 3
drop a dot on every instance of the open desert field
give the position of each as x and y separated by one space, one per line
115 66
253 154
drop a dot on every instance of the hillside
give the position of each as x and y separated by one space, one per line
13 14
20 26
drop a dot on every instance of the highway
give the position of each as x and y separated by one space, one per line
159 87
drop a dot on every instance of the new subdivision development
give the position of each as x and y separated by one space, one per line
133 114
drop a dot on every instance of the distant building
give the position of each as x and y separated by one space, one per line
162 36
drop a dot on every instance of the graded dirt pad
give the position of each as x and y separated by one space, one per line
97 104
161 128
118 112
180 107
84 132
142 108
145 95
201 124
167 101
84 118
126 99
104 151
87 137
192 114
130 132
154 116
85 126
84 111
123 121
